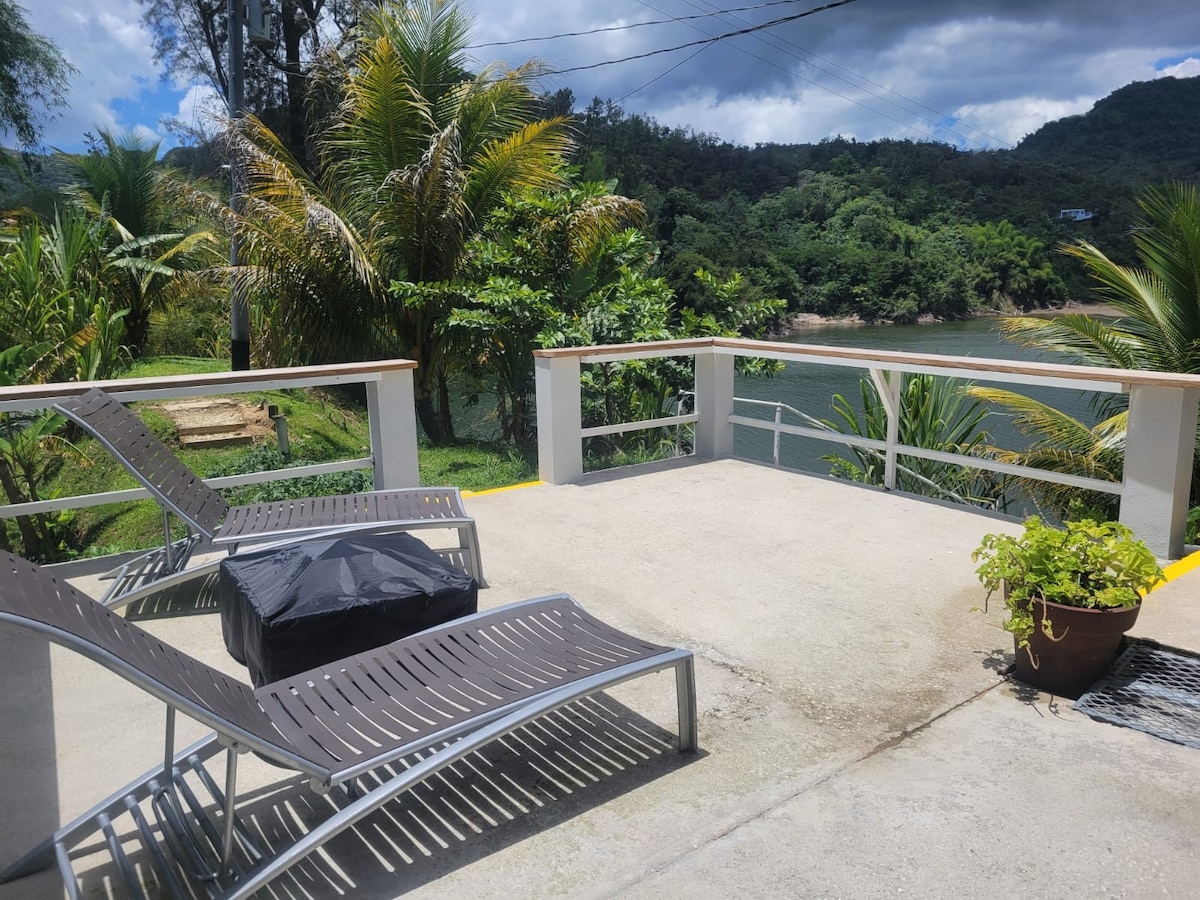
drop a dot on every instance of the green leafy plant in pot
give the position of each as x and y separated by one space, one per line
1071 594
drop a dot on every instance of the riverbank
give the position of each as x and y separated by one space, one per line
801 322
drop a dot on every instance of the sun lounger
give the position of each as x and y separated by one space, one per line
442 694
180 491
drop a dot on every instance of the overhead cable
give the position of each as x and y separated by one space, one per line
708 40
630 26
957 122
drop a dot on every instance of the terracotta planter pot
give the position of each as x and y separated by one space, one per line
1084 644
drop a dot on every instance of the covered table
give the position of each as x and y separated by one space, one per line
294 608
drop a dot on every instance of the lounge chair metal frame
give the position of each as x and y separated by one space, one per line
447 691
205 514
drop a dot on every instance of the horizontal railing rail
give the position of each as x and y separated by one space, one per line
390 410
1159 444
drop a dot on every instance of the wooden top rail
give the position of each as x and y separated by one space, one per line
33 396
684 346
1098 377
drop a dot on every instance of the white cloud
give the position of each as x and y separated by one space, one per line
1011 120
1189 68
200 109
111 49
1002 66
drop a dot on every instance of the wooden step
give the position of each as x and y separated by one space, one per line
210 422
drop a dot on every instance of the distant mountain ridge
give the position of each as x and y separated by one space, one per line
1145 132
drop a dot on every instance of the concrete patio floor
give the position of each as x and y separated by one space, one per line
857 736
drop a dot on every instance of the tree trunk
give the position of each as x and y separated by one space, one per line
444 415
427 416
522 427
137 328
29 535
435 419
294 30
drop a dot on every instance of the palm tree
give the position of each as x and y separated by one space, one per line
1158 328
1061 444
123 187
1158 302
416 156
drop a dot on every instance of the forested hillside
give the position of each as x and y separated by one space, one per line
886 229
1145 132
897 229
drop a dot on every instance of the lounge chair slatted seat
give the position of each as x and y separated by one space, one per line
449 690
180 491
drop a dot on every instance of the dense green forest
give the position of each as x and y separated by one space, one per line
899 229
1145 133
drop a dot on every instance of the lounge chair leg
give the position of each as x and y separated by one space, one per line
469 539
231 759
167 540
43 855
685 694
172 814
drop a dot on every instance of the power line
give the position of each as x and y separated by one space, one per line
664 73
792 74
631 25
936 124
708 40
1008 163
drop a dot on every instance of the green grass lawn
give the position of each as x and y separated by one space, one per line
324 425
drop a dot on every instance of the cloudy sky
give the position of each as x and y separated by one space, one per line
976 73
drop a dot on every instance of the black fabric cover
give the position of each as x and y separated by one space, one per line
295 608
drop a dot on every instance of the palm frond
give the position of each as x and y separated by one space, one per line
1169 244
1082 338
523 159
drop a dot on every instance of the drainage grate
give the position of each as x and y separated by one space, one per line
1151 688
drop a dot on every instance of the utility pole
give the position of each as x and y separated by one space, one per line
239 311
242 13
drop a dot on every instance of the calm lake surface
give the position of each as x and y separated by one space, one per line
810 388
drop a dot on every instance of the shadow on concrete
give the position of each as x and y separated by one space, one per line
192 598
28 775
998 661
559 767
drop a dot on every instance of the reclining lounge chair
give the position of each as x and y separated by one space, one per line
179 490
449 691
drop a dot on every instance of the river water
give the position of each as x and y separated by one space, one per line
810 388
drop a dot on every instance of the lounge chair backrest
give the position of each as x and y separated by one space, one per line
148 459
35 599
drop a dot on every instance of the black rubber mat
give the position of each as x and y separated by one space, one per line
1152 688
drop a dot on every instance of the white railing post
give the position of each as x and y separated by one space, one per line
888 385
1158 465
393 416
559 419
775 442
714 403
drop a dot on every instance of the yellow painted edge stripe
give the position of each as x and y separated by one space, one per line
1177 569
499 490
1182 567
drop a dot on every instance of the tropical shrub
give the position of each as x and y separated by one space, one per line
936 413
53 288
